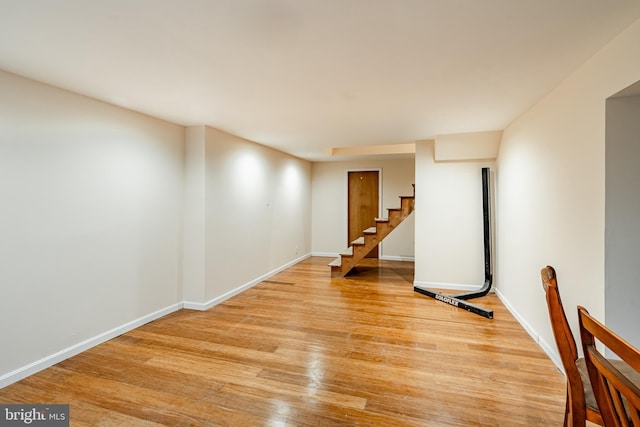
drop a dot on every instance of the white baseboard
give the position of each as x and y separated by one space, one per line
445 285
39 365
382 257
202 306
397 258
552 353
550 350
325 254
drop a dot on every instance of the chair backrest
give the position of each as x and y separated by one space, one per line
617 396
566 344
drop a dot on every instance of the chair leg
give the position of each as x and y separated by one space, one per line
574 416
567 410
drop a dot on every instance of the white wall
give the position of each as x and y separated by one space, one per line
622 214
551 175
449 221
258 211
467 146
329 205
90 218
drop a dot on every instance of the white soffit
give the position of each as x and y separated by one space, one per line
367 150
632 90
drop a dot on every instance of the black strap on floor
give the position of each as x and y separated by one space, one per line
459 300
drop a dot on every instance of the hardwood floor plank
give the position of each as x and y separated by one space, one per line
303 349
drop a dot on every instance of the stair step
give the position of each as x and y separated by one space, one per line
336 262
370 230
358 241
382 219
347 252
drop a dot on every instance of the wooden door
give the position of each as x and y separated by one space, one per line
363 205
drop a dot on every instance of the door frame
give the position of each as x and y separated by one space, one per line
345 207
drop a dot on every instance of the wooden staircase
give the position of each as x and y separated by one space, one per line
372 236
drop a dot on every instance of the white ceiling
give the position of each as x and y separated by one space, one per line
304 75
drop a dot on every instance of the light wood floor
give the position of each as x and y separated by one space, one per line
302 349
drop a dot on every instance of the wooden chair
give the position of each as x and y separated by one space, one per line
617 387
581 403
